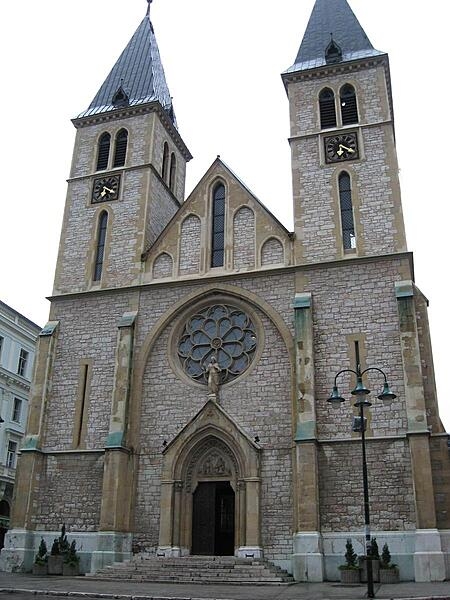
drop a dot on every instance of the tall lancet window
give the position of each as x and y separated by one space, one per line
349 107
218 226
347 221
327 109
104 145
101 241
172 172
120 152
165 162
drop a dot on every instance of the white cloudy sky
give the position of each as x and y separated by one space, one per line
223 61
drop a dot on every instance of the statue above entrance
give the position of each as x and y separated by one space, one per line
213 371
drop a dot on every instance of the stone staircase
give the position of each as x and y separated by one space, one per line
196 569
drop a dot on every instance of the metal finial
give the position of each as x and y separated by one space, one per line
148 7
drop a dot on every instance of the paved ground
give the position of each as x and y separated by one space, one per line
24 587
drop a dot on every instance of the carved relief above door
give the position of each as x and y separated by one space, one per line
210 489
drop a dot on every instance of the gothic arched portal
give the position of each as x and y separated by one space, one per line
210 494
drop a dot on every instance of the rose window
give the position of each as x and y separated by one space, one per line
220 331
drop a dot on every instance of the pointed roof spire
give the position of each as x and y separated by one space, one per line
348 39
137 77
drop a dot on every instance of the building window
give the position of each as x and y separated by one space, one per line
349 108
165 163
120 152
1 345
220 331
173 167
345 198
17 410
11 457
23 360
327 109
218 227
333 53
101 241
103 151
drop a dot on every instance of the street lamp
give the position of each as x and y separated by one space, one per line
361 393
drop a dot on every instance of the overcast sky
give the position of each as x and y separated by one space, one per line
223 61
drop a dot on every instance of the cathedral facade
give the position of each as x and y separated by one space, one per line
180 397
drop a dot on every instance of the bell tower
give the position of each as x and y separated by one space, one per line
127 177
344 163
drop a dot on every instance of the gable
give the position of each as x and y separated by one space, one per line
220 219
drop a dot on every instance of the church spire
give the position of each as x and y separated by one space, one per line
348 42
137 77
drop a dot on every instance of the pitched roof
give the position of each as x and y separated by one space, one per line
332 20
136 78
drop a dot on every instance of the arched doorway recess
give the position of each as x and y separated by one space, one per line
210 489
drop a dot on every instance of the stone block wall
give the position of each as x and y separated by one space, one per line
390 486
69 492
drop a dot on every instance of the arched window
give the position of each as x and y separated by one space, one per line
173 168
218 226
333 53
101 240
345 198
165 163
120 152
103 151
327 109
349 108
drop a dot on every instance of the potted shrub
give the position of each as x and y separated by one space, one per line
58 552
40 560
71 565
375 562
350 572
389 572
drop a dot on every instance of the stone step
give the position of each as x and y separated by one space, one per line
196 569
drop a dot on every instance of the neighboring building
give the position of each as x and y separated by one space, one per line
137 439
18 336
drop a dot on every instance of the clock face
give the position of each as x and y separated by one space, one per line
106 188
341 147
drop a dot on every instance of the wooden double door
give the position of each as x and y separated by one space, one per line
213 519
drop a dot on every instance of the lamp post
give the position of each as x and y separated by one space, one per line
361 393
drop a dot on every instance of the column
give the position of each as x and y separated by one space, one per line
429 563
114 536
307 559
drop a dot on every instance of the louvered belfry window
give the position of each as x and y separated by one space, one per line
327 109
120 152
101 241
104 145
348 225
218 226
349 107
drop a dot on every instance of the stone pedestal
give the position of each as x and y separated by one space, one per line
429 560
307 559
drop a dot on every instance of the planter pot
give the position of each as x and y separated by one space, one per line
71 570
55 564
375 568
350 576
389 575
39 569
